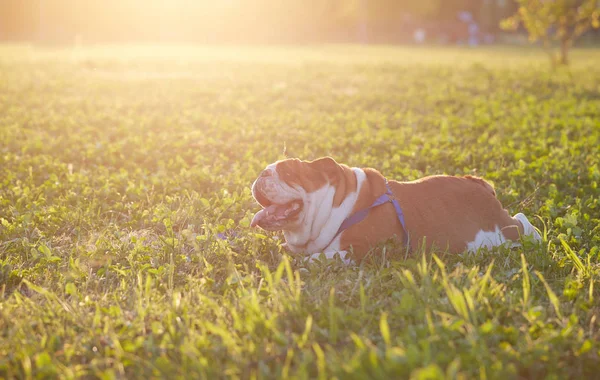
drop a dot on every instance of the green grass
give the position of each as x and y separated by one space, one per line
125 247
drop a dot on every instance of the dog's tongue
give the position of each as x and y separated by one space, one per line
274 213
267 212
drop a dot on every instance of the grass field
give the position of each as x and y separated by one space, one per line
125 247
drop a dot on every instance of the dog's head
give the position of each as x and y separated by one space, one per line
284 191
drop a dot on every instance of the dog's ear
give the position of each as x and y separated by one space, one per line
324 164
328 168
337 175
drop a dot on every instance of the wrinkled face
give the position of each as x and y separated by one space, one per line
282 189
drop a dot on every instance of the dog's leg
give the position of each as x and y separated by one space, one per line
508 232
330 255
489 239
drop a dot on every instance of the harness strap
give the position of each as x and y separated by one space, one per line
360 215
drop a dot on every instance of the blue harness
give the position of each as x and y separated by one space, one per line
359 216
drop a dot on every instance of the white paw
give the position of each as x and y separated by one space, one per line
528 229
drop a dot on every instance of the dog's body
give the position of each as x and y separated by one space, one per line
309 201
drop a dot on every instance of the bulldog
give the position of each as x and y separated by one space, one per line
327 208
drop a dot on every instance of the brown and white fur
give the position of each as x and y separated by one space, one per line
308 201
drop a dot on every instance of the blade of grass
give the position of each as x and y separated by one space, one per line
551 295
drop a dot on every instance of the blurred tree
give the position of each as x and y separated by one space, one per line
382 19
555 21
243 21
383 10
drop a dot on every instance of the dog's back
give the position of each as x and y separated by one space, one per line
450 211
